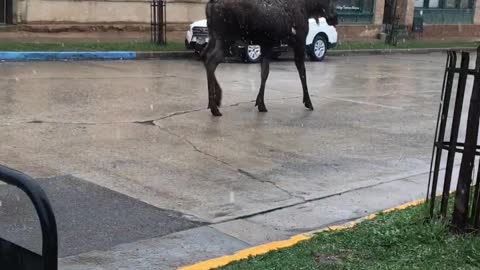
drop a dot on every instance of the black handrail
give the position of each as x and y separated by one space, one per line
44 210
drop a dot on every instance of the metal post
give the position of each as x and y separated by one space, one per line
444 107
476 200
457 115
164 21
158 26
44 211
461 211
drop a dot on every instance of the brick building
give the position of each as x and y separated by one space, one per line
359 19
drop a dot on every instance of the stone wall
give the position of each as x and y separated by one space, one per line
106 11
452 32
134 15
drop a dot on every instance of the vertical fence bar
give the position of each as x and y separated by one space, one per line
3 9
160 21
158 25
155 19
440 108
151 22
476 206
157 22
457 115
462 196
444 107
164 21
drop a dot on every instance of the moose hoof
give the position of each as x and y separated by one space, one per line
216 112
261 106
309 105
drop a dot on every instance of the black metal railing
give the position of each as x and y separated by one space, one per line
158 21
466 209
14 257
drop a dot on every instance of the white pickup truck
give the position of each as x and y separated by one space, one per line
321 37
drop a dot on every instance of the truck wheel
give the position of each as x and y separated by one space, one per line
318 48
252 54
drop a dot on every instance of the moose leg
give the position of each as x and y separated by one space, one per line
211 63
218 93
299 49
266 54
204 55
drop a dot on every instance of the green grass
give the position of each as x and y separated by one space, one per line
146 46
89 46
397 240
406 45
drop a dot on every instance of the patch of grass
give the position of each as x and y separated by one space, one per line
89 46
397 240
406 45
146 46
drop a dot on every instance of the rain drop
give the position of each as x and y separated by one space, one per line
232 197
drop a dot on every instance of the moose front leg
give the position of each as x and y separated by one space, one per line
266 55
299 49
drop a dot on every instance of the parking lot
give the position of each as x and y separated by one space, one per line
141 176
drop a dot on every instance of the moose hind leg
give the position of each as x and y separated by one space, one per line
204 55
214 91
218 93
300 63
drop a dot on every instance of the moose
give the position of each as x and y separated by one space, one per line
262 22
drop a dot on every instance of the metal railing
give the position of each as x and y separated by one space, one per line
158 21
15 257
466 209
3 11
445 15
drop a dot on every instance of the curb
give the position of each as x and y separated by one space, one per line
191 55
178 55
265 248
173 55
56 56
398 51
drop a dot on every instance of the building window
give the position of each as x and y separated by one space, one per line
445 11
355 11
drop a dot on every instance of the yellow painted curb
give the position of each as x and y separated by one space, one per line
265 248
246 253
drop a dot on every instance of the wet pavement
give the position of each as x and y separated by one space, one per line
135 137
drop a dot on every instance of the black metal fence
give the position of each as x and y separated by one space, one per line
462 143
158 21
14 257
3 11
391 22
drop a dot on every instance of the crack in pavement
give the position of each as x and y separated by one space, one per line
194 146
250 175
305 201
230 166
143 122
